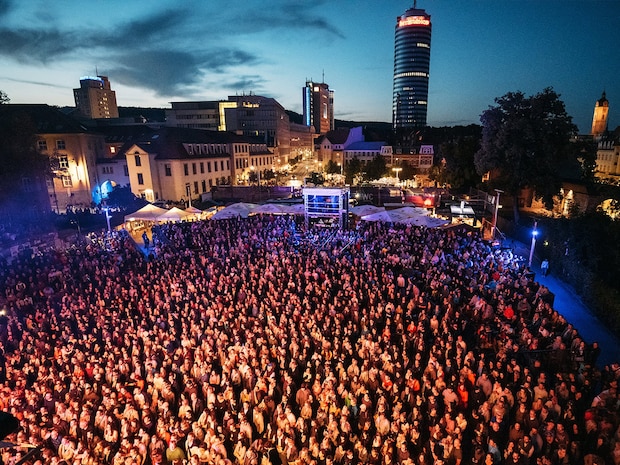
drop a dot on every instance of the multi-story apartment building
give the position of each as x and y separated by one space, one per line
181 164
72 151
412 54
608 159
248 115
95 98
196 115
318 107
261 117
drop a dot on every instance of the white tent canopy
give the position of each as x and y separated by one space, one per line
236 210
295 209
363 210
149 212
174 214
406 215
270 209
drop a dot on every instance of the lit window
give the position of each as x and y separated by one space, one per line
66 181
63 161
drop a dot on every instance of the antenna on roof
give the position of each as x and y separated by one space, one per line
323 81
415 3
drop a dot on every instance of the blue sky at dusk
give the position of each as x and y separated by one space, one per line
159 51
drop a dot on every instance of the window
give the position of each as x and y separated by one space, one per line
42 145
222 165
112 149
66 181
193 168
215 165
202 167
168 169
186 169
60 144
204 186
126 170
140 179
138 161
209 166
63 162
27 185
107 170
195 187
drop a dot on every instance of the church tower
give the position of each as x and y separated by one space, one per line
599 121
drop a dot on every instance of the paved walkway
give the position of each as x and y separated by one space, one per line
570 305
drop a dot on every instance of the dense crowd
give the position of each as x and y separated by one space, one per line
256 341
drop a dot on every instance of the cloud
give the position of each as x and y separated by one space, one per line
170 51
5 8
290 16
34 46
247 83
36 83
174 72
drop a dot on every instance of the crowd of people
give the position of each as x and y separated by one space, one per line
256 341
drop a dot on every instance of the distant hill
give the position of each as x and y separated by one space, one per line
151 114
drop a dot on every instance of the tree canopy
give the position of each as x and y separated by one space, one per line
526 142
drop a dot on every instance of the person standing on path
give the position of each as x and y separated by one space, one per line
544 267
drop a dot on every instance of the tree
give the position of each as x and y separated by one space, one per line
353 168
122 197
23 169
332 167
408 171
456 163
376 168
525 143
4 98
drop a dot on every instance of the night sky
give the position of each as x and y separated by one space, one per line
159 51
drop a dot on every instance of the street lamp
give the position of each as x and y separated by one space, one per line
107 217
397 170
497 207
534 234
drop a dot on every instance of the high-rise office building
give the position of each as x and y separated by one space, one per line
95 99
412 55
318 104
599 120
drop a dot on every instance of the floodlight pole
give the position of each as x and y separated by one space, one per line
534 234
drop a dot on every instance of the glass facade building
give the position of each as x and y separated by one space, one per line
412 54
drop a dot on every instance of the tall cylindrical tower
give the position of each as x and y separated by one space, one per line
412 55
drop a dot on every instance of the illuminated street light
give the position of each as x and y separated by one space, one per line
107 217
397 170
534 234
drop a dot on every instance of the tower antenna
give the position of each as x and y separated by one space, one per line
415 3
323 81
